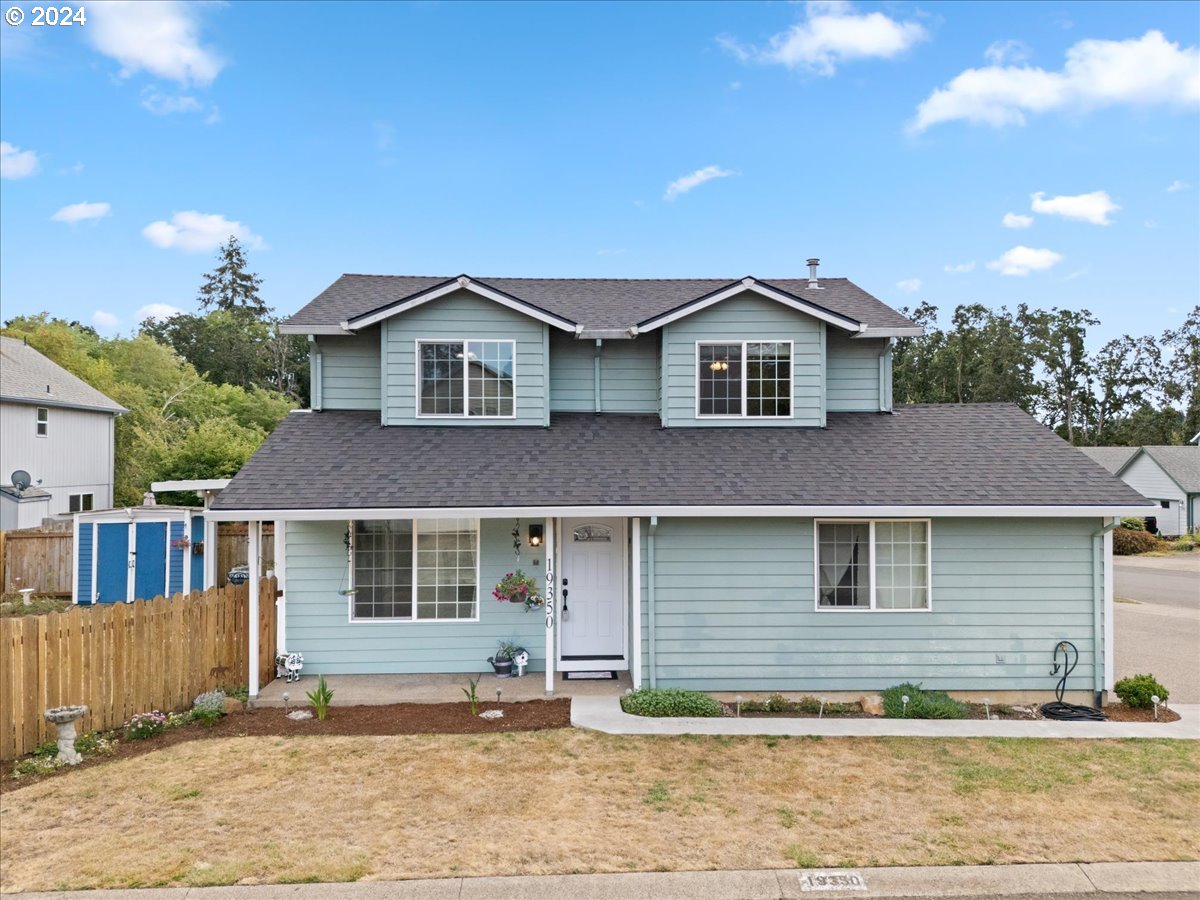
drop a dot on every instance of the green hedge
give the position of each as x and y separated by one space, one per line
1136 691
1127 542
670 702
922 704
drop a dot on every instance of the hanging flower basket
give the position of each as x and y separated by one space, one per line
181 543
517 587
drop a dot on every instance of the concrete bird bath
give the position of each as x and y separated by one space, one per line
64 717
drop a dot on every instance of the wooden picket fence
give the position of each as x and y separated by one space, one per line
126 658
38 558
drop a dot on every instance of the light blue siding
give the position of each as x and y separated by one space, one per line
318 617
349 371
628 374
464 315
84 552
852 373
735 610
744 317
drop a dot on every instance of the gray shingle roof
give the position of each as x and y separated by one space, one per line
591 302
29 377
1181 463
985 454
1112 458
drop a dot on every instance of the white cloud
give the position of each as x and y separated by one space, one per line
78 212
1014 220
194 232
615 251
1000 52
831 33
1093 207
909 285
959 268
1145 71
105 321
15 162
1023 260
1178 185
686 183
157 311
158 36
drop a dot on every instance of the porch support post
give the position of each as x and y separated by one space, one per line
1109 652
550 596
650 597
281 586
253 555
635 629
210 553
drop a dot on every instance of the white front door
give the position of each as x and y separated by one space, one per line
592 596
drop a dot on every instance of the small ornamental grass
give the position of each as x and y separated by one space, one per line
1137 691
209 707
145 725
922 704
670 702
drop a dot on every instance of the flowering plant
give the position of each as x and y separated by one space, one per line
181 543
144 725
517 587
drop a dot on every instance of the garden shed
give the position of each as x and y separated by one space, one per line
137 552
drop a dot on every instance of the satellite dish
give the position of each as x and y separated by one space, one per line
20 480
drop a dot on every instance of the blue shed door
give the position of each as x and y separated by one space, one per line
112 562
150 573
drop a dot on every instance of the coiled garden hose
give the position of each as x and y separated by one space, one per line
1068 712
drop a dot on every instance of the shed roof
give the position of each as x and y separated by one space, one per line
26 376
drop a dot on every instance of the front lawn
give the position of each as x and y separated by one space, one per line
321 808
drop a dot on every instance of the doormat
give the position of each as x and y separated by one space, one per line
590 676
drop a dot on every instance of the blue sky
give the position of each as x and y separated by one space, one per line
893 141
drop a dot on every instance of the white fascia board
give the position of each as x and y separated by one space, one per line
285 328
873 332
198 484
461 283
749 284
852 512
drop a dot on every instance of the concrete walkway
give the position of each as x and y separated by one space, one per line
605 714
1062 881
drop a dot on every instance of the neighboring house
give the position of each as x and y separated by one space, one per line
57 428
1167 474
708 478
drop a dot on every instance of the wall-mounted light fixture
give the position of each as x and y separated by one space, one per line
535 534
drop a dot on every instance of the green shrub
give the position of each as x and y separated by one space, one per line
1136 691
208 708
922 704
1133 523
320 699
1127 542
669 702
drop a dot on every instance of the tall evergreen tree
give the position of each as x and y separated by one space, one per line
229 286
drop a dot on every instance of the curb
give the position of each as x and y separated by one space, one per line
1179 879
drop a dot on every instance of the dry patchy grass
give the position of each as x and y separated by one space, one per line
344 808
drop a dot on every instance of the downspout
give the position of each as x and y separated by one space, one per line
650 596
596 374
1101 607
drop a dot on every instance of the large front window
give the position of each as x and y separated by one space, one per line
746 379
415 570
873 565
466 378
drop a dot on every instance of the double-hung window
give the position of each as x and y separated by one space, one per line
43 421
873 564
421 570
466 379
80 502
748 379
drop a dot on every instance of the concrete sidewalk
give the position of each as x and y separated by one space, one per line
605 714
1061 880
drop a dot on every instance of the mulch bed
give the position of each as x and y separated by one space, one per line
395 718
1118 712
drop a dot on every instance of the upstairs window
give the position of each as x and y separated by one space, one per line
43 421
745 379
466 379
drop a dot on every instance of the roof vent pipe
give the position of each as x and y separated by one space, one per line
813 285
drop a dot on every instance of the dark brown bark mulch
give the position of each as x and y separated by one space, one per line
396 718
1119 712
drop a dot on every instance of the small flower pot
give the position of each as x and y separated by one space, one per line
502 667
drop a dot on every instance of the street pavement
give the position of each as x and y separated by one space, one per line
1160 632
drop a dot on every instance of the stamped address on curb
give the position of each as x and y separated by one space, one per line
812 882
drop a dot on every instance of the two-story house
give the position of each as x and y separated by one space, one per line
58 429
708 476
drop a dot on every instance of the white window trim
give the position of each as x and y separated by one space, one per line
39 422
466 381
411 620
745 380
71 498
817 523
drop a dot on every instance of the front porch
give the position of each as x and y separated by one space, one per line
377 690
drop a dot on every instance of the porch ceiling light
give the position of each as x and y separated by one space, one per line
535 534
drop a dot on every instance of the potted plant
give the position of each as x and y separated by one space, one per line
517 587
502 662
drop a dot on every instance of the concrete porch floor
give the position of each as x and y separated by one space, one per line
376 690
